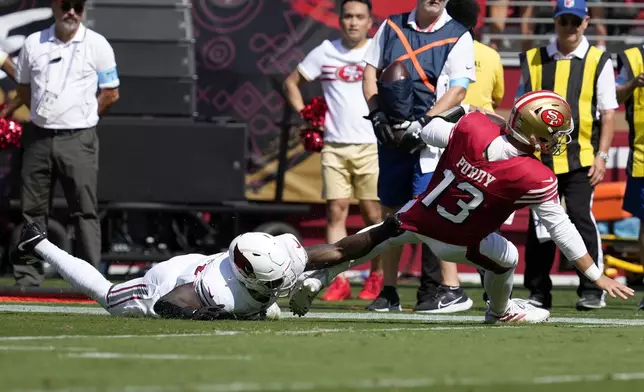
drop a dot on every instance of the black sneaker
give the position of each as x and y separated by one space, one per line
448 299
642 304
23 253
540 301
387 301
590 302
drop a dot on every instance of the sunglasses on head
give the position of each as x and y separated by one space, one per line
572 20
78 7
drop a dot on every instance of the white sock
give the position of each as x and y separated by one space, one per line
498 289
79 273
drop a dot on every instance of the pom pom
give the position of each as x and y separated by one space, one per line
10 133
312 140
314 113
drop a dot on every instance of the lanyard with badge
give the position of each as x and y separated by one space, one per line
48 99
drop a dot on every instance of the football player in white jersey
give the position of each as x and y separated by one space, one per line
243 283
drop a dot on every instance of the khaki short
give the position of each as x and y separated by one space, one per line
350 169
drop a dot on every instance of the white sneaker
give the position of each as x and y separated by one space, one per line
305 291
273 312
519 311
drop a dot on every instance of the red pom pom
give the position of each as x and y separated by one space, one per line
314 113
10 133
312 140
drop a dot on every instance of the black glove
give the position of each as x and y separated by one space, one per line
407 135
216 312
381 127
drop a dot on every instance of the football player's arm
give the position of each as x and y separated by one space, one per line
460 69
568 239
437 132
352 247
183 303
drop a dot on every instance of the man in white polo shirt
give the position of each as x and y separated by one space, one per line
350 154
60 70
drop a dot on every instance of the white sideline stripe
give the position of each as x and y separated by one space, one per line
360 384
293 332
44 348
445 318
93 353
243 332
180 357
335 316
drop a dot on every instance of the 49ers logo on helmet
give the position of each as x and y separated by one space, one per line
552 117
351 73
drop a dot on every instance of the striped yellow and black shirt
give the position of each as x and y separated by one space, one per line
631 61
576 80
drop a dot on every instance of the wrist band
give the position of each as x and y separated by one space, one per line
593 273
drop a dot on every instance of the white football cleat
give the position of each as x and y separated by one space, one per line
519 311
305 291
273 312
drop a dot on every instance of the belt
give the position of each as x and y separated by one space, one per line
57 132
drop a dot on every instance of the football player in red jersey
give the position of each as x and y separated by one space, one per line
486 172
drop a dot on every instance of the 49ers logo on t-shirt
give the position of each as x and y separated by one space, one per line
552 117
351 73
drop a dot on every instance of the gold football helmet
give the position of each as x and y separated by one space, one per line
543 120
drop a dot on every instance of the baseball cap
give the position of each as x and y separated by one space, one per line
574 7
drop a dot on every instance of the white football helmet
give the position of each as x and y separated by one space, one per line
261 263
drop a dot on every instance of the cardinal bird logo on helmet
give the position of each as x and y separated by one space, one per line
242 262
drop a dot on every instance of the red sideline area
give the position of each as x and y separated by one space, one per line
50 299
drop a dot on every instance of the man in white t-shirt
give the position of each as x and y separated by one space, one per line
350 154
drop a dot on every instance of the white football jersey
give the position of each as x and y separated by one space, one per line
215 283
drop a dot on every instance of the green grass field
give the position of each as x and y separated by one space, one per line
84 352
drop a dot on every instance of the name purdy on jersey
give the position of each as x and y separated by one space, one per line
474 173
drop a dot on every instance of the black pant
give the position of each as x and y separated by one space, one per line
72 158
575 188
430 277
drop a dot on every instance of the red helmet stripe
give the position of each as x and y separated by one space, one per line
242 262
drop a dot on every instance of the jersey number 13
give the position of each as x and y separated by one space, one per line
466 208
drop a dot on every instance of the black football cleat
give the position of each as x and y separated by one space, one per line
23 253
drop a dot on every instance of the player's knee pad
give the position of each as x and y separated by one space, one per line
495 254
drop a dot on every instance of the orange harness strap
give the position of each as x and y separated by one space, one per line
411 54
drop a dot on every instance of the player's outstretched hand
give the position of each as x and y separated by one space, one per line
216 312
614 288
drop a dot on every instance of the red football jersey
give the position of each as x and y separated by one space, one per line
470 197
